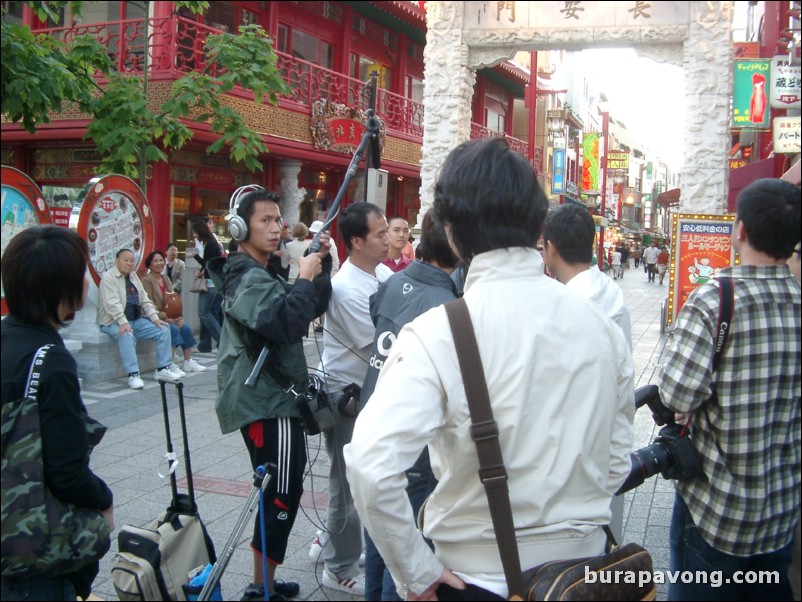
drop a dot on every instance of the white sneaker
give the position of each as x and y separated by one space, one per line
135 382
166 375
176 370
316 551
191 365
354 586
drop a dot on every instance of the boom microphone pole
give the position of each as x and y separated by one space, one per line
372 127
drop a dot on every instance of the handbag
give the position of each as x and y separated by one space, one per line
199 286
41 535
173 306
559 580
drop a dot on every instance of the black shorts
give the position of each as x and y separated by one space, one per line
282 442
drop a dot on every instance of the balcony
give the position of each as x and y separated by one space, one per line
175 47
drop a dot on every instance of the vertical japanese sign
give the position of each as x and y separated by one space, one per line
786 84
558 172
702 247
750 103
590 162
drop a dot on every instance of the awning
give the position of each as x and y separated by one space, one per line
669 198
742 177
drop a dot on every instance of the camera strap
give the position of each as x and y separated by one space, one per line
726 303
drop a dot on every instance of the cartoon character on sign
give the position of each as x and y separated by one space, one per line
704 269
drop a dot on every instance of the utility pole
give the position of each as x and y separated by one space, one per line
603 165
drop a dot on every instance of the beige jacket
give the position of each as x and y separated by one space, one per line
153 289
111 304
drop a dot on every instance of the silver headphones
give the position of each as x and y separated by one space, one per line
237 226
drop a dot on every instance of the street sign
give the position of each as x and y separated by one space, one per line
786 84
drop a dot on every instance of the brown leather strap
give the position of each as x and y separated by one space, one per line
484 432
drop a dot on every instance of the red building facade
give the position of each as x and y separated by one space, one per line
326 52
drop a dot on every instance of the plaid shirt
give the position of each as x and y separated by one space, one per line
748 439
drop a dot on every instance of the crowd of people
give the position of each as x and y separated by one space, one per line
555 342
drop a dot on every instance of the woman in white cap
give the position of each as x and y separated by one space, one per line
313 230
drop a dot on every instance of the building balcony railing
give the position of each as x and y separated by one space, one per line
170 47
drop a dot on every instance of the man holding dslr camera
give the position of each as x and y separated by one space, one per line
261 309
744 416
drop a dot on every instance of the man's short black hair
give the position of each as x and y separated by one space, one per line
43 266
354 221
769 210
571 230
433 244
490 197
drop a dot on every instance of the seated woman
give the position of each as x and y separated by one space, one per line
156 284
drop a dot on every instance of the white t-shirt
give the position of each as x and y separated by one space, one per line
349 331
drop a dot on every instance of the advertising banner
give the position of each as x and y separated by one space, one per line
558 172
702 247
787 134
786 84
750 103
590 162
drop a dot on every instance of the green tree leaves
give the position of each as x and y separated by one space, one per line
42 74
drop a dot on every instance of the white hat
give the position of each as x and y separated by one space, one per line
315 227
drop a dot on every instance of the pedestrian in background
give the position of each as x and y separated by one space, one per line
45 284
210 300
398 229
174 268
662 262
549 357
296 248
650 260
157 284
744 415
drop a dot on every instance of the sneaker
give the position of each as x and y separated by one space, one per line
166 375
176 370
316 549
282 590
191 365
135 382
354 586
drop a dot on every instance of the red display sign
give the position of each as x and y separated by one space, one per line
61 216
114 215
702 248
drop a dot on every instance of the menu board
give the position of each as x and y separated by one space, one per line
22 207
702 247
114 216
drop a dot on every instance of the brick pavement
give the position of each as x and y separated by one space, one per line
131 455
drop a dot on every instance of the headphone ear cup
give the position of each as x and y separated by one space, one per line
238 228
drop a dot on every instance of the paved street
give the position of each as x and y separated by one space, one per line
131 456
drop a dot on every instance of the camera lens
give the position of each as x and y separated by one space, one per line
646 463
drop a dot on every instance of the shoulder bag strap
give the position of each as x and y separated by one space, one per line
484 432
35 372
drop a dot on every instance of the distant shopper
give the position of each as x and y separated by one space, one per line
296 249
126 314
45 284
650 260
209 301
662 262
398 228
174 268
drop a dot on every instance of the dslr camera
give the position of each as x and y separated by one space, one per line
672 454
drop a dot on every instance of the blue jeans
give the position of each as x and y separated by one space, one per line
143 329
379 584
208 309
182 336
39 588
690 552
